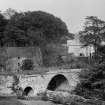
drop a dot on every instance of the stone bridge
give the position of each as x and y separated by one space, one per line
53 80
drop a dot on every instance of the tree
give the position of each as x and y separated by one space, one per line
34 28
3 23
93 32
27 65
93 83
9 13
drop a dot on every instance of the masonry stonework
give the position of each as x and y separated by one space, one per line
67 80
61 79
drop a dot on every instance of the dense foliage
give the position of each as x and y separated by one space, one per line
34 28
31 28
93 32
3 23
27 65
93 79
37 28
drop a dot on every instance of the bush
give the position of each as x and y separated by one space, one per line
27 65
92 83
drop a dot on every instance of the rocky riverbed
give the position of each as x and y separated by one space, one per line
50 98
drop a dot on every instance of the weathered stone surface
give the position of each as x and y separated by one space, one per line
59 78
63 80
6 84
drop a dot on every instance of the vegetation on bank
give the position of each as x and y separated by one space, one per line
93 79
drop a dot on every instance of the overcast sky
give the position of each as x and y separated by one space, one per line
72 12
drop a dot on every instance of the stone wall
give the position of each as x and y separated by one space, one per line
6 82
63 79
39 83
12 56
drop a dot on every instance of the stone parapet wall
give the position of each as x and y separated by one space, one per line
6 83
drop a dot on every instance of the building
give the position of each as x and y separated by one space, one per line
76 48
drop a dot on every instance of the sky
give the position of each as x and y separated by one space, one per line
72 12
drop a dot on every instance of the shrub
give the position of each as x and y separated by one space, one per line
27 64
92 83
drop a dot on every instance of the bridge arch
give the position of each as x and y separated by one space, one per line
28 91
58 82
